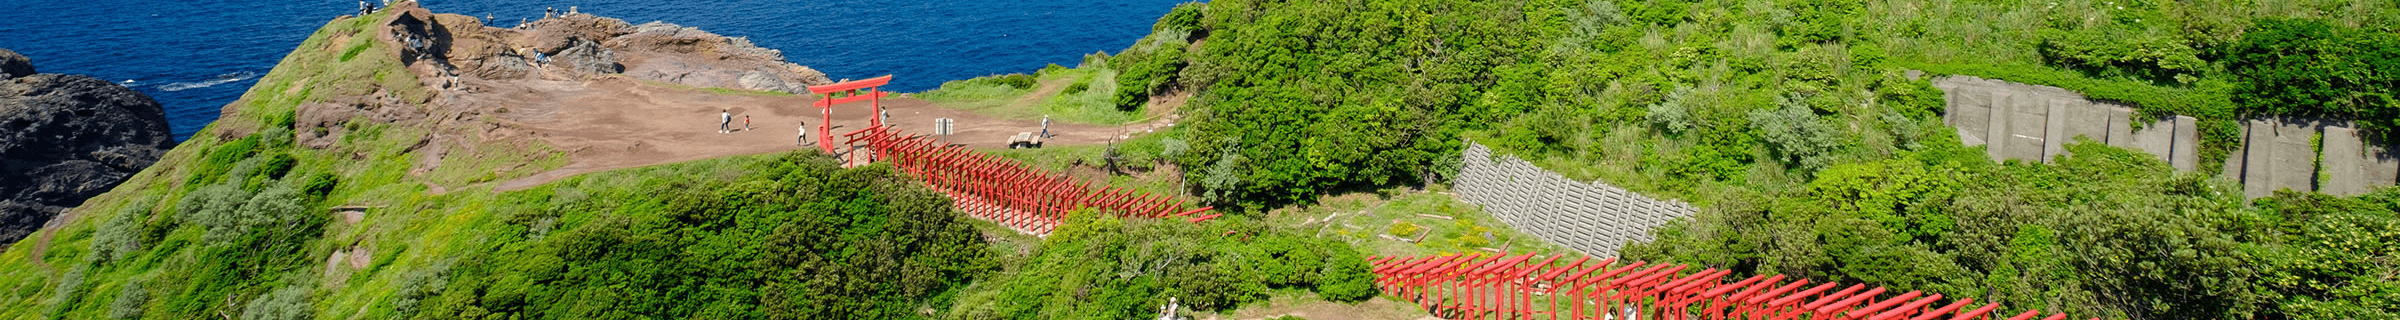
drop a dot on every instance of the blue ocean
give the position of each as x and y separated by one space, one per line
196 56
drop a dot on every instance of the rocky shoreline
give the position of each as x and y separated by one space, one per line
67 138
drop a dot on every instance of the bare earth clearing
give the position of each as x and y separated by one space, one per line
612 123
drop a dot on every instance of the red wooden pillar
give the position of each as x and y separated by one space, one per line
1609 300
1557 284
1579 289
1636 290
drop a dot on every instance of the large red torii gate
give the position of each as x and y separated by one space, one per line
1506 286
983 186
873 97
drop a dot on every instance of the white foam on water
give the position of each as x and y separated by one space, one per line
221 79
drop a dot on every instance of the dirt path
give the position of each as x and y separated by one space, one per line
1378 308
41 241
614 123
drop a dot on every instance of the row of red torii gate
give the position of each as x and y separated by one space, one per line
1505 286
987 187
1471 286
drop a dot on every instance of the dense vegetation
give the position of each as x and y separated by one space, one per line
1298 99
2316 68
2105 232
795 237
1106 268
1798 126
1793 123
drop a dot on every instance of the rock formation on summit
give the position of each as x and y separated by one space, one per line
582 45
66 138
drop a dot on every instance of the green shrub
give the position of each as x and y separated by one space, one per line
223 157
1019 81
217 210
275 137
1185 16
1171 148
1670 115
1154 73
319 186
1221 182
121 235
1796 133
2108 52
1346 277
228 213
130 300
276 166
68 293
1916 99
419 285
2315 68
1078 87
286 303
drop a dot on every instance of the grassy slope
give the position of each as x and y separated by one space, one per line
415 236
1049 96
372 164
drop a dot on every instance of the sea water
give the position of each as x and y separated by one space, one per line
196 56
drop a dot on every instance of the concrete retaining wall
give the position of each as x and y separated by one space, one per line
2034 123
1595 218
2029 122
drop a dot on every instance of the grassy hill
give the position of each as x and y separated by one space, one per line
243 222
1791 123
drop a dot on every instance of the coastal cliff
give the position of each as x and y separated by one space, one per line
66 138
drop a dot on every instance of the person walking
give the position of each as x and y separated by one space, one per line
725 121
1045 126
804 134
745 122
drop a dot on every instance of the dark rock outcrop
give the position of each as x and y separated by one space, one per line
65 138
14 65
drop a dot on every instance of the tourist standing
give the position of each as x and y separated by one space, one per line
745 122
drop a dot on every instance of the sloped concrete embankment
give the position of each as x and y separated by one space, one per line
1594 217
